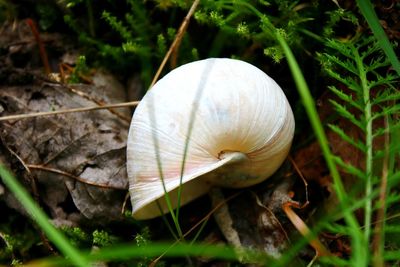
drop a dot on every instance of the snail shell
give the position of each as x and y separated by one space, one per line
223 122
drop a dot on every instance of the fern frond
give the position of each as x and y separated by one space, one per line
360 66
339 131
377 63
383 130
385 97
344 112
371 47
350 169
346 64
117 25
346 97
387 80
350 82
389 110
342 49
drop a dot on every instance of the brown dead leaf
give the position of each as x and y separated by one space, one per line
89 145
77 160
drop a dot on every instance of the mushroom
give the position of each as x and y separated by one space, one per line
213 122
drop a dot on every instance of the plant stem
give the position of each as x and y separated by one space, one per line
358 243
42 50
379 234
368 143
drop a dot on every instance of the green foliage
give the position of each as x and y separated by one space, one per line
77 236
48 15
142 239
334 18
7 11
365 73
102 238
80 69
41 218
370 101
369 14
15 243
141 38
247 20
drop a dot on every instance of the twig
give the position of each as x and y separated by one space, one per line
124 203
49 113
32 179
175 44
272 214
42 50
44 168
377 243
302 178
96 101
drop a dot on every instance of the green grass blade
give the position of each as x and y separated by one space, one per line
360 256
41 218
370 16
312 113
124 252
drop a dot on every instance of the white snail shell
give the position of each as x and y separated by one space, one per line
235 120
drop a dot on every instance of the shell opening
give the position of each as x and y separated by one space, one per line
232 156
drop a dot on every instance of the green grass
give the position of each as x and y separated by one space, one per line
42 219
367 10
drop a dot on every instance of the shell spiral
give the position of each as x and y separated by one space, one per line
211 122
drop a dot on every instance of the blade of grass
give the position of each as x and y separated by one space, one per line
41 218
124 252
360 247
367 10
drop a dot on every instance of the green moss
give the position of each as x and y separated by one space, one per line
77 236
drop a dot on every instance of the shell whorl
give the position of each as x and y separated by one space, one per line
229 123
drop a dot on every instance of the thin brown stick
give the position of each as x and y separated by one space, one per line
302 178
377 243
272 214
50 113
124 203
42 50
96 101
32 179
177 40
44 168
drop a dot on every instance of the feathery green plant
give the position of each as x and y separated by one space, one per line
370 16
242 18
135 32
369 98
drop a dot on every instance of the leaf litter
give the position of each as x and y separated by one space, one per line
87 145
